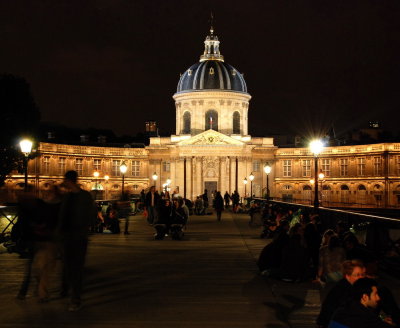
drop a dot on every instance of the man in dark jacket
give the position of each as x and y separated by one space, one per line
339 294
360 311
77 212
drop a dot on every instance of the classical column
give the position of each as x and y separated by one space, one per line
236 174
184 177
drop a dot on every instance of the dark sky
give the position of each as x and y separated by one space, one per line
114 64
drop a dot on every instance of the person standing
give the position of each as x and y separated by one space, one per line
218 204
205 199
235 201
227 199
152 203
76 214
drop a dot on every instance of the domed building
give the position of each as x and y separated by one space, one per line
211 148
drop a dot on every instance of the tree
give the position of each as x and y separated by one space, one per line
19 117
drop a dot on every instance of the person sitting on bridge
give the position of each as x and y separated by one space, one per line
360 310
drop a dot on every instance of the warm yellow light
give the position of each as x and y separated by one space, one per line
168 181
251 176
26 146
316 147
106 177
312 181
123 168
96 174
321 176
267 169
245 180
155 176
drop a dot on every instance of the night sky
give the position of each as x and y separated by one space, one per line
115 64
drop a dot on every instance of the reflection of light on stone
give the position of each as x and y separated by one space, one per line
9 216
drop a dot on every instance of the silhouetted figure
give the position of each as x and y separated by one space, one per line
152 204
76 214
218 204
227 199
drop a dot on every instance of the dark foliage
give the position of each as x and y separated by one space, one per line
19 117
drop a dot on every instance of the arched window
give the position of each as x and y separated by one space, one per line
361 187
325 187
306 187
344 187
186 123
236 123
211 120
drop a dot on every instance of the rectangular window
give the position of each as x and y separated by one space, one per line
361 166
306 167
287 168
166 166
79 166
61 165
377 165
115 167
97 165
344 167
46 164
256 166
326 166
398 165
135 168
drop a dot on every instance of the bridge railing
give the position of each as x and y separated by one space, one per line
380 234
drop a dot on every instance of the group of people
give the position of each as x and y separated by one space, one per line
301 250
52 227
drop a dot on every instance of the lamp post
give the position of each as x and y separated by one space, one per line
245 185
26 148
321 177
251 177
316 147
267 170
123 168
106 178
96 176
155 177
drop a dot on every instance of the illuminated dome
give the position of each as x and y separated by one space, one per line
211 73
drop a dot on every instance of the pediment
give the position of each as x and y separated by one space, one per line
210 137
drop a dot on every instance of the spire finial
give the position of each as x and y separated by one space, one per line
211 23
211 44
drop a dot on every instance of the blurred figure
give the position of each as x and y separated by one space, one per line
199 206
46 248
23 234
218 204
77 212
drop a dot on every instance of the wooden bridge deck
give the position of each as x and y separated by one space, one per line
209 279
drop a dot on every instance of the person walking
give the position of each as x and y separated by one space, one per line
76 214
218 204
152 204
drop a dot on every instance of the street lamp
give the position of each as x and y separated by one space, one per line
316 147
155 177
245 185
321 177
26 148
106 178
267 170
96 176
251 177
123 168
166 184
